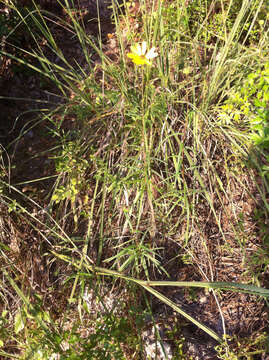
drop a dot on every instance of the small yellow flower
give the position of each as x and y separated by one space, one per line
140 56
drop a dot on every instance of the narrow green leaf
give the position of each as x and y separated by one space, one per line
174 306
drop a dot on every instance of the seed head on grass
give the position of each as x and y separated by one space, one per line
140 55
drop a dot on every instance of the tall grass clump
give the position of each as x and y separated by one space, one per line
157 126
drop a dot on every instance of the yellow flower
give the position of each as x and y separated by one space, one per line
140 56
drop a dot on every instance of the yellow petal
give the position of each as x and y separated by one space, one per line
148 62
139 61
131 55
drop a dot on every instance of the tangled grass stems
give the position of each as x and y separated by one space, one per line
149 158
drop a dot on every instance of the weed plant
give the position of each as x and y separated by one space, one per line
160 139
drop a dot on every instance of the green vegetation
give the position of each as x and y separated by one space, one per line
151 178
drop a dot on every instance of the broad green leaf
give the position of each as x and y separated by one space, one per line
18 323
